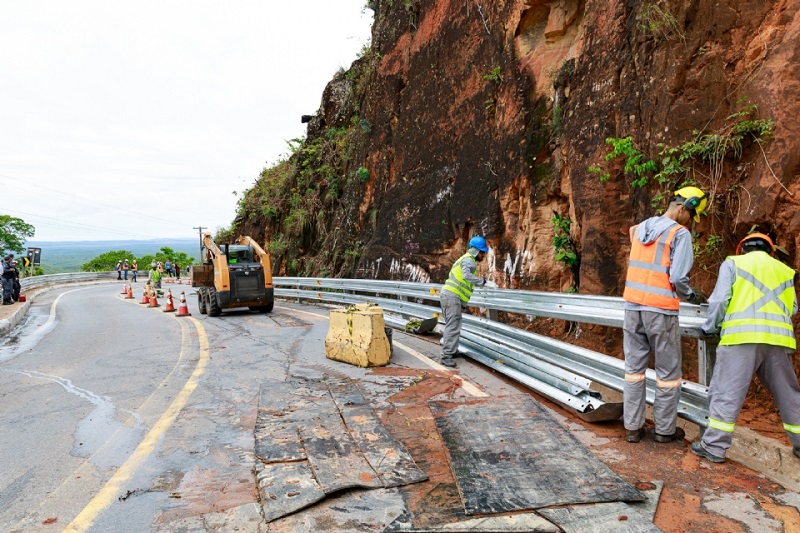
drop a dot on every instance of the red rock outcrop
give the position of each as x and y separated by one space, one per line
468 117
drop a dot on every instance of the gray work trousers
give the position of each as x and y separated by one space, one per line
643 332
451 312
733 372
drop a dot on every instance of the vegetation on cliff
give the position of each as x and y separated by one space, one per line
484 118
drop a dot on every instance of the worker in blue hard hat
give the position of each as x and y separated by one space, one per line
456 293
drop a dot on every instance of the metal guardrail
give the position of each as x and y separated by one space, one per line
556 369
55 279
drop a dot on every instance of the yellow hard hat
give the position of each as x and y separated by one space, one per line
693 199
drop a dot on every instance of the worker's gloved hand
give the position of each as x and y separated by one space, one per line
708 335
484 282
698 297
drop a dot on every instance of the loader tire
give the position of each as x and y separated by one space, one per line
212 303
201 301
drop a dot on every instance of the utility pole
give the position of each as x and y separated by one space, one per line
200 231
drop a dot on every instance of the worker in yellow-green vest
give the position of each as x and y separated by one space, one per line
155 275
455 295
751 308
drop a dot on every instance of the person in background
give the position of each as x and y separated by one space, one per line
155 275
657 280
125 268
455 295
168 269
177 268
134 271
118 269
17 285
7 279
751 309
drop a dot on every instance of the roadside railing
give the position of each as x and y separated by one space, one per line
55 279
559 370
556 369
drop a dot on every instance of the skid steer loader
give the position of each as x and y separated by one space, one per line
235 275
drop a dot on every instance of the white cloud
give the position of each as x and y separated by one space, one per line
140 119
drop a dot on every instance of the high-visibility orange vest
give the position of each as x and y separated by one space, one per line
648 282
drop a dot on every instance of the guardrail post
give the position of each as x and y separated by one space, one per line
706 357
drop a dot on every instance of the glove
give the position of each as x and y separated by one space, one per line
697 297
484 282
709 337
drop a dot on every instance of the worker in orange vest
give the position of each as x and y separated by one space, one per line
658 279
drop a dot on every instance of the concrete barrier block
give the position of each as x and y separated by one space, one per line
357 336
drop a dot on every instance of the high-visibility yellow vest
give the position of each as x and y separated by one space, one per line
456 283
760 310
647 281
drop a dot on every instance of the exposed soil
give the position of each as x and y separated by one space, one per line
693 499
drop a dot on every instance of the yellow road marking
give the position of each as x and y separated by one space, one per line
110 491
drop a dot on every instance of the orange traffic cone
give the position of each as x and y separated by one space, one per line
124 289
188 281
129 295
170 307
154 302
145 299
180 281
183 310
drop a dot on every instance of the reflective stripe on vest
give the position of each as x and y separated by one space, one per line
760 310
791 429
727 427
647 282
456 283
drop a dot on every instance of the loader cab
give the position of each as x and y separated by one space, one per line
238 254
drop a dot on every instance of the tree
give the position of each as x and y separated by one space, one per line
107 261
13 233
167 253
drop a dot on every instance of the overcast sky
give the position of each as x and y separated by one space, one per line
138 120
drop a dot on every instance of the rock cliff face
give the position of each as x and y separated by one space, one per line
474 117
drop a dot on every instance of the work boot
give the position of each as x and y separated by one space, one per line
448 362
678 435
634 435
698 450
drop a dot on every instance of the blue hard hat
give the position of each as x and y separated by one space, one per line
478 242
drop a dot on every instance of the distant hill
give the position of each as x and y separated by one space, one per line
68 256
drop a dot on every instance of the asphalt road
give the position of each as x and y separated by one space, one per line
118 417
108 407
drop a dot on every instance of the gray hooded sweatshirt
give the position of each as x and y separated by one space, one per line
681 258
